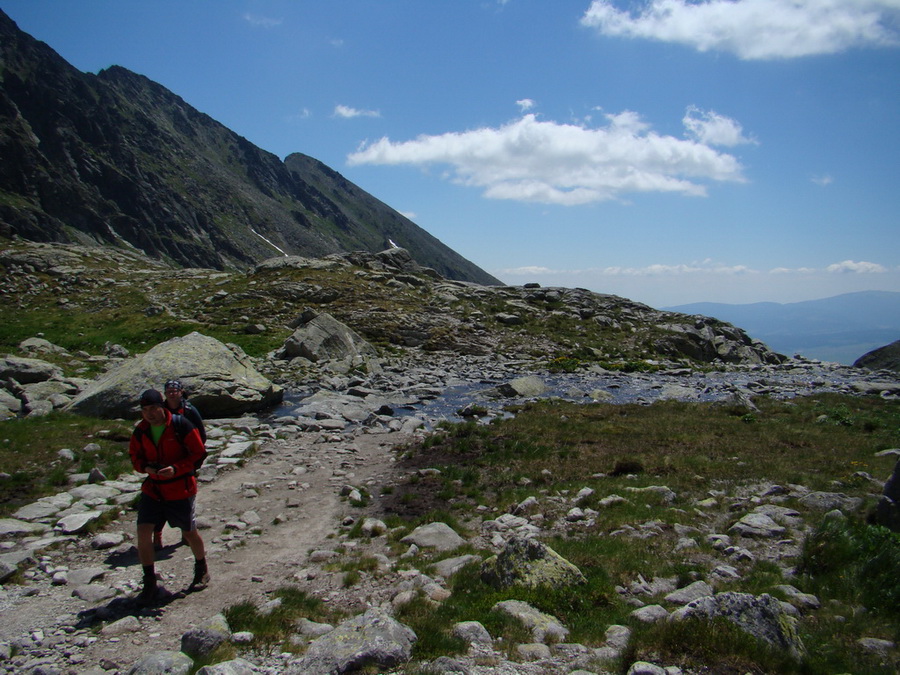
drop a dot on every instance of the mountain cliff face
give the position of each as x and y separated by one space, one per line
116 159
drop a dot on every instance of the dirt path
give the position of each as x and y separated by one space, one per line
293 488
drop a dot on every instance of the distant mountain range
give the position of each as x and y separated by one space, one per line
839 329
115 159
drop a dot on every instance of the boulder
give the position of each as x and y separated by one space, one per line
234 667
763 617
157 663
887 511
27 371
439 536
757 525
221 380
36 345
373 639
7 569
202 640
527 386
323 338
529 563
543 627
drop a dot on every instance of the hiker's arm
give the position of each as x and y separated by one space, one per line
136 452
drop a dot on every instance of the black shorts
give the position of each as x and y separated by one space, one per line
178 513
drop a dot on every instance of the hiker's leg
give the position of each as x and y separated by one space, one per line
149 515
195 541
146 554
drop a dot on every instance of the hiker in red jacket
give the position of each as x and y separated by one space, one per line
176 402
167 494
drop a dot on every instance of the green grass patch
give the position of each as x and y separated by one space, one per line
854 562
29 450
711 646
272 630
552 449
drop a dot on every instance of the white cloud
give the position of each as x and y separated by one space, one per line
853 267
525 104
548 162
788 270
755 29
534 270
347 112
262 21
705 267
822 180
302 114
711 128
666 285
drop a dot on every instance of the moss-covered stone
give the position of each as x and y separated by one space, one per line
530 563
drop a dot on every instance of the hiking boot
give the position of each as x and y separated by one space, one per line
157 540
201 577
147 595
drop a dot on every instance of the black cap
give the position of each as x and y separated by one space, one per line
151 397
174 384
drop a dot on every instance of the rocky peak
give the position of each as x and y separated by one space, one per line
116 159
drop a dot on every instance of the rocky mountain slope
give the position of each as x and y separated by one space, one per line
118 160
81 297
886 358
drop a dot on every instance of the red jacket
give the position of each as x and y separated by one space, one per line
170 452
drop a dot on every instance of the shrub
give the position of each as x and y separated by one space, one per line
855 562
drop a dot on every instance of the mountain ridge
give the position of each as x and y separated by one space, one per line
116 159
839 328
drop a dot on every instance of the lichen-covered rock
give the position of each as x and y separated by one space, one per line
221 380
373 639
530 563
163 663
762 616
203 639
543 627
322 338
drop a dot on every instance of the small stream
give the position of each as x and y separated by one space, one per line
442 402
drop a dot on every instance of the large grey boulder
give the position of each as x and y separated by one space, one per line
323 338
26 371
763 617
373 639
530 563
220 379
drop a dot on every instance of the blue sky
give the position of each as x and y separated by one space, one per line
668 151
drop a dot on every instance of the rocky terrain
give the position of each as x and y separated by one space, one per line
277 502
316 376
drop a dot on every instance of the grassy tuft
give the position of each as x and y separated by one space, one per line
272 631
